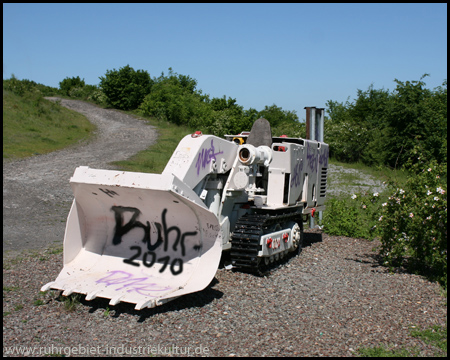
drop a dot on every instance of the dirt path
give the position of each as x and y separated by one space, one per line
337 185
36 191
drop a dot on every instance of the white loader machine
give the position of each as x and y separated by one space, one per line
148 238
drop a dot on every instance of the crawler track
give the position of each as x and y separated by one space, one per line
246 240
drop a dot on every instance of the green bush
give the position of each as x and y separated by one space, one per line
68 84
413 222
172 102
125 89
96 95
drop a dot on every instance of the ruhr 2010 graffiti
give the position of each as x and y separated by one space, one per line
150 258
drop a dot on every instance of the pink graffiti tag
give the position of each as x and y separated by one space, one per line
205 157
127 280
296 174
311 157
323 157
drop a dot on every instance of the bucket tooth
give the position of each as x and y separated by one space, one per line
116 300
92 295
163 301
68 292
144 304
48 286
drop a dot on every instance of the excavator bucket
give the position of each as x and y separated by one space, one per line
138 238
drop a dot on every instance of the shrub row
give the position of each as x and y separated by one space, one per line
382 127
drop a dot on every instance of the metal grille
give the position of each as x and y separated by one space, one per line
323 182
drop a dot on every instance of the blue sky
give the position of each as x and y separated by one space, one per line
291 55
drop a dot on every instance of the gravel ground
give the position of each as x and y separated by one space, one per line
329 301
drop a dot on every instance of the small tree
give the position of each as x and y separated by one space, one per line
126 88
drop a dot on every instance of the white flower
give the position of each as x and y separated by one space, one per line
435 198
364 206
354 196
375 194
383 204
440 190
428 192
402 191
429 217
411 215
429 169
381 218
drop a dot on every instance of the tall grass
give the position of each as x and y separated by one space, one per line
33 125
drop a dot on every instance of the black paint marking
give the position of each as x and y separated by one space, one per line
198 247
179 238
180 266
166 260
130 260
108 192
152 262
158 242
121 229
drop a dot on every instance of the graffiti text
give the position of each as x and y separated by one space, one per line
296 174
205 157
149 257
108 192
131 283
311 158
122 229
323 158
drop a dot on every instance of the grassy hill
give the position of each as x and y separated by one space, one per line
33 125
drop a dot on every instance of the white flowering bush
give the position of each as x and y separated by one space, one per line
413 223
